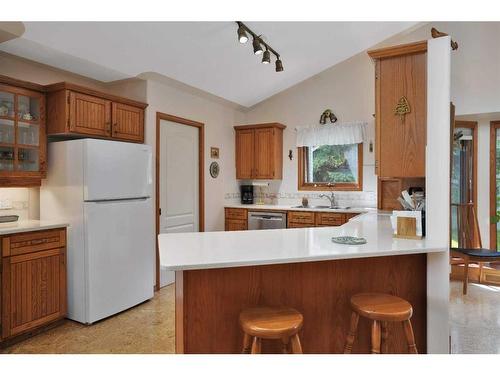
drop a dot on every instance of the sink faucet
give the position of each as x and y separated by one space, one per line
331 198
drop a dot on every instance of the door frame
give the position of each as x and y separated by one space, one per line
494 125
201 177
471 125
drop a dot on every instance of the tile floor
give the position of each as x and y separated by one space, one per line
149 328
475 319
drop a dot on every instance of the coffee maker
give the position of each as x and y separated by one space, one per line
246 194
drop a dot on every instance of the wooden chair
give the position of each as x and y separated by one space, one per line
276 323
470 249
381 309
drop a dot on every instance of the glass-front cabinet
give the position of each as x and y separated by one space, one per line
22 136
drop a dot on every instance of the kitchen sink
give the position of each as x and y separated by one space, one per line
324 207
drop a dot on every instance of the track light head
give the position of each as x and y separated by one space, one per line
257 48
266 57
279 65
242 34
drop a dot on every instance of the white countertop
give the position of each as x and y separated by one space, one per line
354 210
29 226
189 251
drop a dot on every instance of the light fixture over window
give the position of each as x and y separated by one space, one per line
257 44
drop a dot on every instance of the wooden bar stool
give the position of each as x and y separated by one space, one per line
275 323
381 308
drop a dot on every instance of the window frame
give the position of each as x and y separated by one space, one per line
325 186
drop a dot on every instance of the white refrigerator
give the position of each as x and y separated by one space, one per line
103 189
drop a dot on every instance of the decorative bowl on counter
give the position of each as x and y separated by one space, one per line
8 218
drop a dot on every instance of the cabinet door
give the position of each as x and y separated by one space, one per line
128 123
245 154
264 153
33 290
402 140
89 115
232 224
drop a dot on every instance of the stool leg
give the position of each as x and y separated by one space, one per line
466 275
296 347
384 338
256 346
247 343
285 341
353 330
376 337
412 348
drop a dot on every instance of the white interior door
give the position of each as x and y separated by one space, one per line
179 181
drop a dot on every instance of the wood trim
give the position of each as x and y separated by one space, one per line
471 125
87 91
402 49
180 299
302 185
201 177
20 83
494 125
259 126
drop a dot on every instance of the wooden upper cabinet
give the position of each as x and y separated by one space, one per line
128 123
23 141
259 151
77 111
401 80
89 115
245 154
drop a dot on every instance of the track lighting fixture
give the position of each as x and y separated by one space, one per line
242 34
279 65
266 58
257 44
257 48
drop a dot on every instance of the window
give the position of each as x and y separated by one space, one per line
331 167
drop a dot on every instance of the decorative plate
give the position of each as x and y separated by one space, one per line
214 169
348 240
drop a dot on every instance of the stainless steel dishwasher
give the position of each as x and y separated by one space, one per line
266 220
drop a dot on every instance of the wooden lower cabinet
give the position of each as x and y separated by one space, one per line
236 219
33 282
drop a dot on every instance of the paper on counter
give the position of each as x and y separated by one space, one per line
416 214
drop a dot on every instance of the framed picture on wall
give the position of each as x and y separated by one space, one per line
214 152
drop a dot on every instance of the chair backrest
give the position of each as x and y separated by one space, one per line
469 236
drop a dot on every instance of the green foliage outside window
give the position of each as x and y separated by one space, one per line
329 164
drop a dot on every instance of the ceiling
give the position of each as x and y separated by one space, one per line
205 55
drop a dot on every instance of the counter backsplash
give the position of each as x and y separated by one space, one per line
351 198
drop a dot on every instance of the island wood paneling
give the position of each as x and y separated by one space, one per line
208 302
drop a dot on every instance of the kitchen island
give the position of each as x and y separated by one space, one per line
220 273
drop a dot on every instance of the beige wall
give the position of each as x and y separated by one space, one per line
347 88
219 120
218 115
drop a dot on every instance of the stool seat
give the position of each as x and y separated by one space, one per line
271 322
384 307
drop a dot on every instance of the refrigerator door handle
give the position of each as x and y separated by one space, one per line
119 200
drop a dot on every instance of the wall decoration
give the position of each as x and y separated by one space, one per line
214 169
290 154
214 152
402 108
327 114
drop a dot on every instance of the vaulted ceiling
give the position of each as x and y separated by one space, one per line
206 55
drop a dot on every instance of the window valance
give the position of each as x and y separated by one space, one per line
332 134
